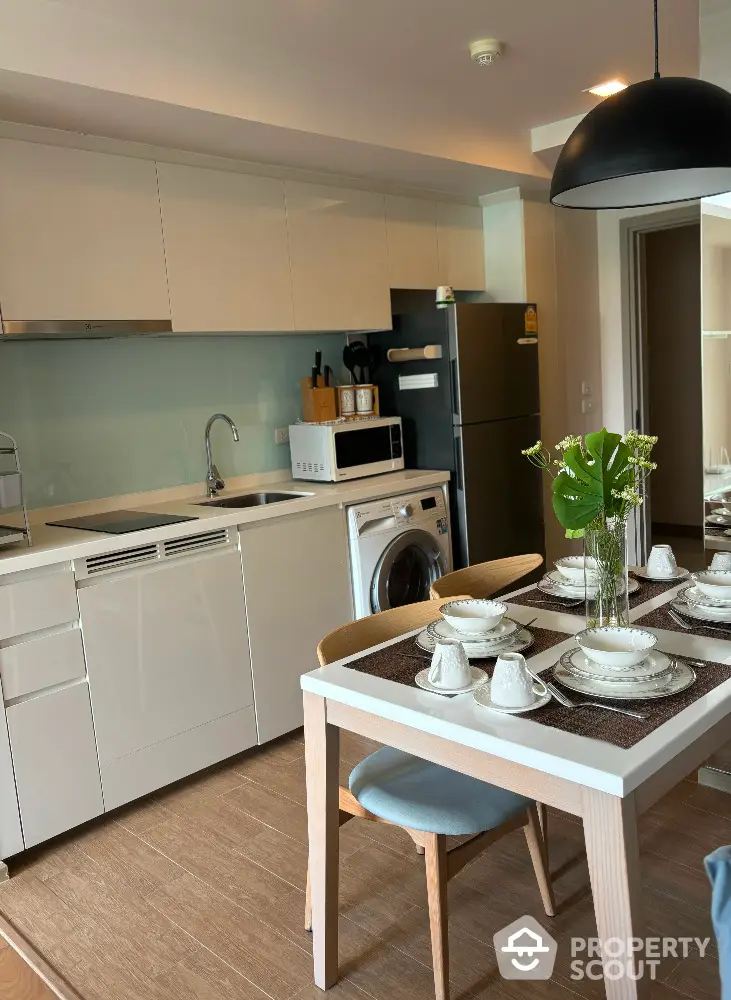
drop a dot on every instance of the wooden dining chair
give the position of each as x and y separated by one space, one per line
485 579
429 802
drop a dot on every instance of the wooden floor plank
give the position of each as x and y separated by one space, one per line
195 893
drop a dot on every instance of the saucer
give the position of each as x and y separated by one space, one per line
479 677
654 665
443 630
703 614
515 643
641 572
548 585
482 697
697 599
678 678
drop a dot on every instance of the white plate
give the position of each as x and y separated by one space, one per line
549 586
702 614
680 678
482 697
641 572
515 643
697 599
578 664
479 677
443 630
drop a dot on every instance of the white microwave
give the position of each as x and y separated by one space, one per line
349 449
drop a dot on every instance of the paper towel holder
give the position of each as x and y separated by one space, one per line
432 352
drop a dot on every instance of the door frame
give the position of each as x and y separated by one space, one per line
632 232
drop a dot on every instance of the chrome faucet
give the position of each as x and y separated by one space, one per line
214 483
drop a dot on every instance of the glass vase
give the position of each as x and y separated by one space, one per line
607 601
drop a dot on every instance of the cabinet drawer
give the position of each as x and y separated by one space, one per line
41 663
36 603
55 762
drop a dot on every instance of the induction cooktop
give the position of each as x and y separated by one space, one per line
119 522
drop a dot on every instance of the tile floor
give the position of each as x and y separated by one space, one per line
197 894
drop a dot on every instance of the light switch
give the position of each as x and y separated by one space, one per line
587 405
587 389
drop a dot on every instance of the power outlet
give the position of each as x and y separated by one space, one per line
587 405
281 435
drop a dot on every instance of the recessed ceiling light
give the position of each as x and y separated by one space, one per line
606 89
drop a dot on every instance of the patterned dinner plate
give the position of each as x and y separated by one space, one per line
680 677
516 643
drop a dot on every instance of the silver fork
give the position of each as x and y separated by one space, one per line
568 703
698 623
562 604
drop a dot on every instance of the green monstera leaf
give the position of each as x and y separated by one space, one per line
583 491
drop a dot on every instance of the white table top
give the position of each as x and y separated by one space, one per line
579 758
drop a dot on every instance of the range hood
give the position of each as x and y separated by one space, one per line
40 329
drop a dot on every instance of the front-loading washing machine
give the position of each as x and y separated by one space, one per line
398 547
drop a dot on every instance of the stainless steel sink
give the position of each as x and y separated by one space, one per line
253 499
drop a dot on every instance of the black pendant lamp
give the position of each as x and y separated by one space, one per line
663 140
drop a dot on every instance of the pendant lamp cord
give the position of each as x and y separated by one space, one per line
657 44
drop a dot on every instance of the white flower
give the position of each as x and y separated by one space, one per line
570 441
533 450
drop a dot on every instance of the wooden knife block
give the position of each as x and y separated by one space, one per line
318 402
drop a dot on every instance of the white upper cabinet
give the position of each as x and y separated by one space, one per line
461 247
80 236
413 255
337 243
226 250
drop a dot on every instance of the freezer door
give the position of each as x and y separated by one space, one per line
499 500
495 365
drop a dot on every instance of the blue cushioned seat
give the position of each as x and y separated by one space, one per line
411 792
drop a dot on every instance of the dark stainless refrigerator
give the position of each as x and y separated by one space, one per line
471 412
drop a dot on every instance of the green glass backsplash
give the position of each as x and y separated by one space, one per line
97 418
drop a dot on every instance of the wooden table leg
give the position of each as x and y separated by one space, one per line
322 754
612 850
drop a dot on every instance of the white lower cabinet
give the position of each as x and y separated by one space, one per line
55 762
297 583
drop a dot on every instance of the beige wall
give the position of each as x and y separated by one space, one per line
673 363
549 256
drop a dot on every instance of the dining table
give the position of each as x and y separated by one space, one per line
607 781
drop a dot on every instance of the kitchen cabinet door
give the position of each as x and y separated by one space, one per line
80 236
297 583
338 248
413 255
55 762
226 250
461 247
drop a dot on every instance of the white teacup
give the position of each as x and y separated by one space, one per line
512 686
450 667
721 560
661 562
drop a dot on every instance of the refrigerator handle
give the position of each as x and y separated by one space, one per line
455 387
458 467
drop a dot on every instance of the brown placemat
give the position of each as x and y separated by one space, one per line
620 730
398 662
659 618
648 590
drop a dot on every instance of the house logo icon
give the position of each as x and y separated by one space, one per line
525 950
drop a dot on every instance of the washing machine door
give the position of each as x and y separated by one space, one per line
408 567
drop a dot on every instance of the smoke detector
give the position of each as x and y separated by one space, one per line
486 51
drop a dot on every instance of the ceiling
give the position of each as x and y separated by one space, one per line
220 75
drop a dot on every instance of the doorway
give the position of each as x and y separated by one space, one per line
670 386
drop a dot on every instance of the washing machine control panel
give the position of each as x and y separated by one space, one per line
383 514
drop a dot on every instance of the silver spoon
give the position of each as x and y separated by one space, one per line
698 623
568 703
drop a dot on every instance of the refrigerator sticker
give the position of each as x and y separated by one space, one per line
442 525
531 320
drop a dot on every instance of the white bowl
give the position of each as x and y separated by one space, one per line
615 645
472 616
714 583
572 567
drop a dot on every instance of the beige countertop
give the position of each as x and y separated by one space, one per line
54 545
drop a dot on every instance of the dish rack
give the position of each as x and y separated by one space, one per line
11 494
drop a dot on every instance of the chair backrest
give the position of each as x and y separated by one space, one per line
485 579
370 631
